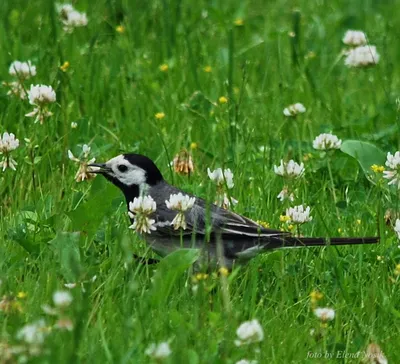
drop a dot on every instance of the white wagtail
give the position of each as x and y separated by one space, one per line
215 231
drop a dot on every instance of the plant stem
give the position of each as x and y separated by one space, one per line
333 187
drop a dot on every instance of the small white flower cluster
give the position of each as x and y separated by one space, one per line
34 333
354 38
245 361
140 209
360 53
294 110
289 170
179 202
393 162
327 141
84 161
298 214
222 178
8 143
62 300
41 96
362 56
324 314
21 71
71 18
249 332
32 337
158 351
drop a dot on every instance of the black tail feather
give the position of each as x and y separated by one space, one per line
299 242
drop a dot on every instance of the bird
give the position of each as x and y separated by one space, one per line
223 237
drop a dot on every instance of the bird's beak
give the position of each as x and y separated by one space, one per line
99 168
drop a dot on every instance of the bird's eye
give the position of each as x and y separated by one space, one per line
122 168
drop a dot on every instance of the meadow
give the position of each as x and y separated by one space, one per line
209 79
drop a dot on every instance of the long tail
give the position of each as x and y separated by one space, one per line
299 242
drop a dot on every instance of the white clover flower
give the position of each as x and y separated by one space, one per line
362 56
393 162
33 334
224 201
290 169
179 202
71 18
326 141
220 177
64 8
74 125
354 38
249 332
285 195
293 110
41 94
139 210
245 361
159 351
84 171
397 228
324 314
62 299
22 70
299 215
16 89
8 143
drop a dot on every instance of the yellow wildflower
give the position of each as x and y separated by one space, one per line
120 29
164 67
397 270
201 276
193 145
358 221
377 169
238 22
21 295
263 223
290 227
222 100
160 115
207 69
316 296
284 218
223 271
64 66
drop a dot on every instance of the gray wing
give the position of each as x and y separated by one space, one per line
207 220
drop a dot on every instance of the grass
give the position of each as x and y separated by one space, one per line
113 89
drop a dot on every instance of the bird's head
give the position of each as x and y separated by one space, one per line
132 173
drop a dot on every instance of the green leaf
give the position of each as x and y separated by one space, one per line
88 216
169 270
66 247
365 153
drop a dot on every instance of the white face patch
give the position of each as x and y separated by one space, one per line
127 173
